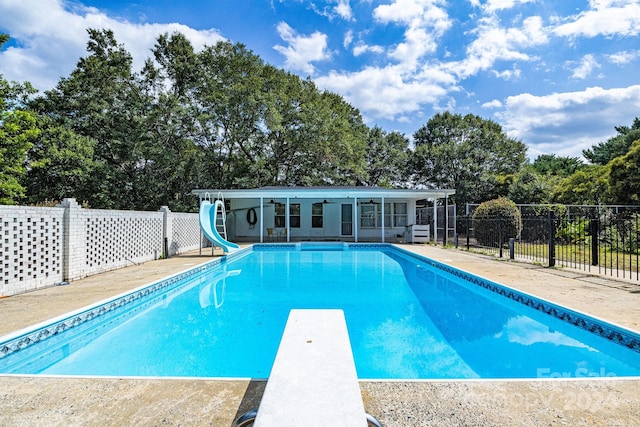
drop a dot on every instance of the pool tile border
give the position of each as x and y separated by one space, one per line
28 339
595 326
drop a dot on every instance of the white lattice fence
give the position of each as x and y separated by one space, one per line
185 233
115 239
40 247
31 243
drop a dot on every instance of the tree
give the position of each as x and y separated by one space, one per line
616 146
61 164
173 162
530 186
336 138
467 153
232 104
587 186
311 137
102 100
216 118
550 164
387 156
263 126
17 132
624 176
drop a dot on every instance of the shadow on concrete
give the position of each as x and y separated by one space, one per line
252 397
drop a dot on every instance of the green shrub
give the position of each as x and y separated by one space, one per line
623 235
495 218
575 232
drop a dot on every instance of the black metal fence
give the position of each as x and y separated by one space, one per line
602 239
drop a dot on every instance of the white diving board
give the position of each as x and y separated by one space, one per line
313 381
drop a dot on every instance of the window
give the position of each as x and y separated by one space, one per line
316 215
395 215
368 216
279 220
399 214
294 215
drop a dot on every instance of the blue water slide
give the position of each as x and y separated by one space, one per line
208 214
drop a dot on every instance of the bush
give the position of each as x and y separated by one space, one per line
623 234
494 218
575 232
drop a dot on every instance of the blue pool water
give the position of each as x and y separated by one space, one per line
407 319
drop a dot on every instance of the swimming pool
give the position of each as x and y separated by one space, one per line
408 318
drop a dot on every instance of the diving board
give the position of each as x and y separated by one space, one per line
313 381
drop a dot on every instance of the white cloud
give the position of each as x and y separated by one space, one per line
606 17
398 11
495 43
425 20
624 57
512 74
437 74
383 92
348 38
585 67
362 48
567 123
302 50
492 104
343 9
51 36
495 5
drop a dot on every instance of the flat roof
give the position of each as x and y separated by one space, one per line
327 192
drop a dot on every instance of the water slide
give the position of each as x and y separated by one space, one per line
208 213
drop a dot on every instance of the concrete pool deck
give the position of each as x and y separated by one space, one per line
51 401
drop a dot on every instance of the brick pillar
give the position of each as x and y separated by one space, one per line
74 258
167 232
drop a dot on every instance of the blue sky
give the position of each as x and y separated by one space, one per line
558 75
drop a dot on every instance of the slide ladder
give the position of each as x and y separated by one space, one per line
221 216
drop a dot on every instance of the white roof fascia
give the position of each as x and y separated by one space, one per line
326 193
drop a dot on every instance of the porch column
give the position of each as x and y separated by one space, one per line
435 220
446 220
287 221
455 220
355 219
382 201
261 222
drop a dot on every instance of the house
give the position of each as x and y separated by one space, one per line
352 214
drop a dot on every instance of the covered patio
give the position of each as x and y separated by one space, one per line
352 214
